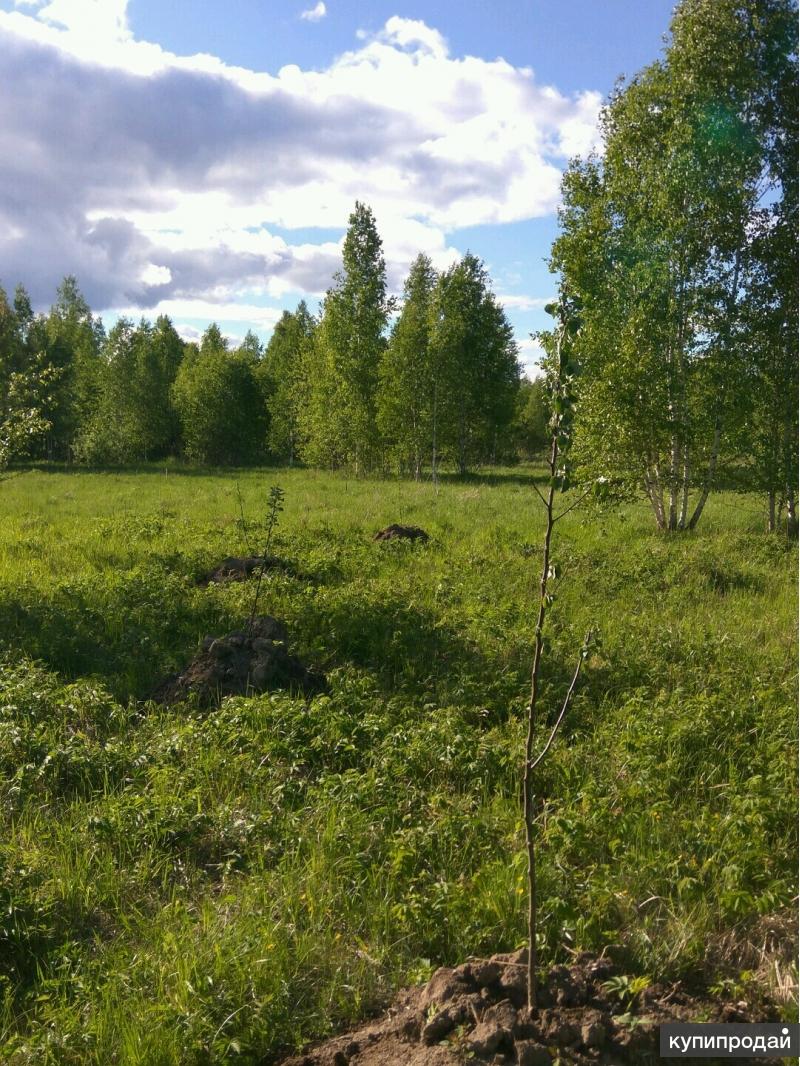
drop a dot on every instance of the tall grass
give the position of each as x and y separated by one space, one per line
186 887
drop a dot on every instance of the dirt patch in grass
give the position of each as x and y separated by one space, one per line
589 1013
398 532
247 661
235 568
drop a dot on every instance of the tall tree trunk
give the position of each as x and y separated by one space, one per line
771 511
712 462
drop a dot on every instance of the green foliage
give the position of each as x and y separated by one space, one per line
531 417
475 367
73 338
177 885
133 418
657 242
285 374
27 379
220 404
407 375
339 421
274 508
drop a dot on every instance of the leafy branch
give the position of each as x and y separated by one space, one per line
274 508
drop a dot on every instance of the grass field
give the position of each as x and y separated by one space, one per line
188 887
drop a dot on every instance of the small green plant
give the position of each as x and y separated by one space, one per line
734 987
626 989
274 508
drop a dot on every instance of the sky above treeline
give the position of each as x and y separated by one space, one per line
200 158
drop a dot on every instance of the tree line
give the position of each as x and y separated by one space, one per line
349 388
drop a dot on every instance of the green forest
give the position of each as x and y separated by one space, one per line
364 702
344 391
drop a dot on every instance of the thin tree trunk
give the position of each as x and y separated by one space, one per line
709 479
791 513
771 511
528 774
685 499
433 456
674 463
655 493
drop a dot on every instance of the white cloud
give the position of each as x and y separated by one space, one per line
103 18
155 275
315 13
248 315
525 303
156 177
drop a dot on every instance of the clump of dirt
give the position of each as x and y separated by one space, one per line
477 1013
398 532
240 569
244 662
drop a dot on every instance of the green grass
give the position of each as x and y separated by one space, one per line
186 887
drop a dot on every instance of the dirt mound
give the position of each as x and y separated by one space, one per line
397 532
476 1013
239 569
239 664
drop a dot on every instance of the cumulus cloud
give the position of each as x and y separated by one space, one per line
315 13
155 177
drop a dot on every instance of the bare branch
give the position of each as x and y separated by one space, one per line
575 503
565 705
538 493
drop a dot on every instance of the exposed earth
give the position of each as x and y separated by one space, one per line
247 661
398 532
235 568
477 1013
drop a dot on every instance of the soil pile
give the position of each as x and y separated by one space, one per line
244 662
235 568
397 532
477 1013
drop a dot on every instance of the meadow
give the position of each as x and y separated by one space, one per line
181 886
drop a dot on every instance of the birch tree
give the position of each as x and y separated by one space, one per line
405 395
655 242
285 371
474 367
339 423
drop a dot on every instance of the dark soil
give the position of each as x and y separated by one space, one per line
240 569
242 663
397 532
477 1013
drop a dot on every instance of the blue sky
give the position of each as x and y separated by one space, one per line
200 157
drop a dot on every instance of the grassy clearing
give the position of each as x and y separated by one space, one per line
178 887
